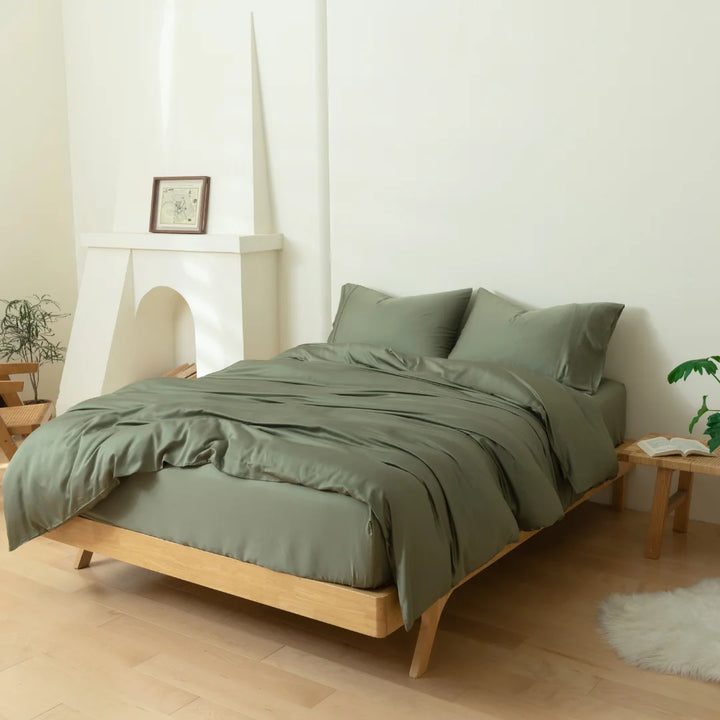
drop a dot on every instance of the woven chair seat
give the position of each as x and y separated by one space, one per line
23 419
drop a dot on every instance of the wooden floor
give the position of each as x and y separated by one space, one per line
115 642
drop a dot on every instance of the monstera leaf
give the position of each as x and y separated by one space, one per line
703 409
713 430
703 365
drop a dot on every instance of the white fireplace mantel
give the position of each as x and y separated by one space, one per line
123 326
176 242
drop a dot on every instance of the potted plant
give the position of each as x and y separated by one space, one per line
26 334
710 366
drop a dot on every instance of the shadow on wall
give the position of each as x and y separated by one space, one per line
636 357
158 337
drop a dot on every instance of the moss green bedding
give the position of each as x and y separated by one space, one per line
449 457
325 536
565 342
420 324
290 528
611 401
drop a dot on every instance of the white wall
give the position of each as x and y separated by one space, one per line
562 151
164 87
555 152
36 238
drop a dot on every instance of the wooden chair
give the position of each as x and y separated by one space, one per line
187 371
16 419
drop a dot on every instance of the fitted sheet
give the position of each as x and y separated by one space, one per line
290 528
294 529
611 399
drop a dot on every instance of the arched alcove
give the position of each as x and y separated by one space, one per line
157 337
131 321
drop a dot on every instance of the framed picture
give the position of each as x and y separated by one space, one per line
179 204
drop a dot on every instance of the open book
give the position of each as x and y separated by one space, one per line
675 446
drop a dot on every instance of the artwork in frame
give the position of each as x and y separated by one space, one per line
179 204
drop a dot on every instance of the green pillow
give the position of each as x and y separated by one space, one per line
419 325
565 342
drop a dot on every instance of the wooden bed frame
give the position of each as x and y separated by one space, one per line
370 612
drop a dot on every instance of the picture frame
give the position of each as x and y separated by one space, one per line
179 204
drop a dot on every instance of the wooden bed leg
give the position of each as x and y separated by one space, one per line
82 559
428 627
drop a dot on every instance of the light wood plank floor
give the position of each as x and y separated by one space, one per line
518 642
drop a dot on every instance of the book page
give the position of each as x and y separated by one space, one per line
684 445
658 443
653 446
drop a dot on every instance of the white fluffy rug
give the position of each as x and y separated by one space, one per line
677 631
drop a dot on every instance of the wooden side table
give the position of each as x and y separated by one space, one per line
663 502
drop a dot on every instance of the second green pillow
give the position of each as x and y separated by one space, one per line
565 342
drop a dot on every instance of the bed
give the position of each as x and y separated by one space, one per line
348 482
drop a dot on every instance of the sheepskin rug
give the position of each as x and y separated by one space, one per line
677 631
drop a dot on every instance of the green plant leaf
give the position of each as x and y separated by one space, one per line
703 409
713 430
26 333
684 370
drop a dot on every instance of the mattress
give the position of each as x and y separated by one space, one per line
322 535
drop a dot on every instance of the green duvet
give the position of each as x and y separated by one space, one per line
450 457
